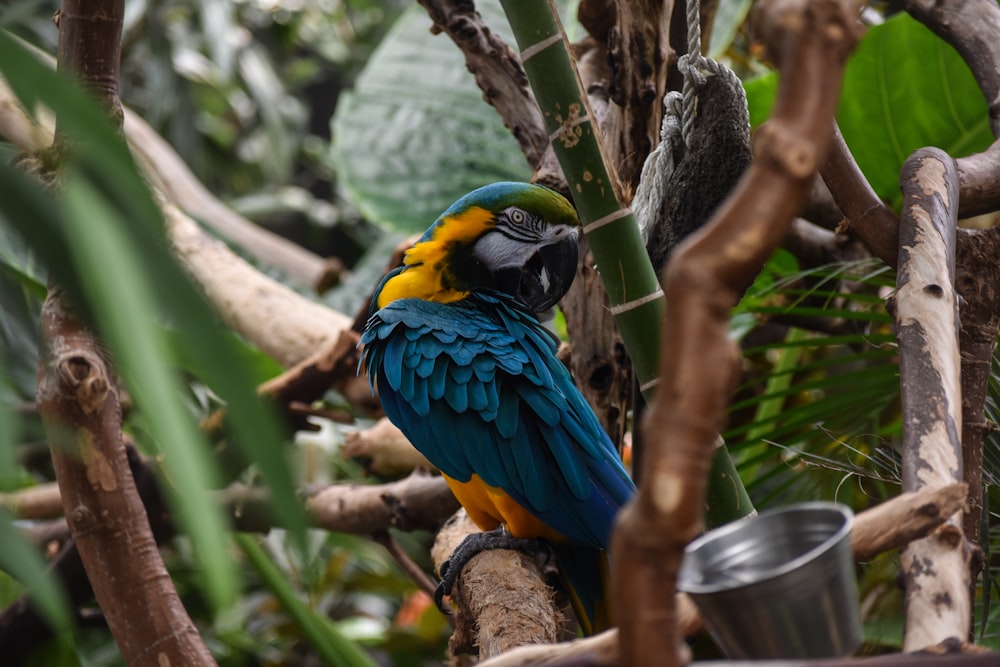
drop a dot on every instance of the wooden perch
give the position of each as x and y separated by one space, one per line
907 517
501 598
417 502
935 569
281 323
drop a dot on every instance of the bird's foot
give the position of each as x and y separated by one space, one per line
474 544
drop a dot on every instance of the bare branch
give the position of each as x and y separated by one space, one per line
936 569
866 216
36 502
904 518
284 325
419 501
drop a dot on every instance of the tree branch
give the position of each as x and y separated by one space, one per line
501 597
498 72
638 52
936 569
865 215
79 408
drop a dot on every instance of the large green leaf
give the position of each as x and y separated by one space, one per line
415 133
904 88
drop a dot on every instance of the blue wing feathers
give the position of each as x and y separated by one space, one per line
510 411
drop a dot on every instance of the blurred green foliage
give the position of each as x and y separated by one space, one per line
249 92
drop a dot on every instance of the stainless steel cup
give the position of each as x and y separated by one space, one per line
780 585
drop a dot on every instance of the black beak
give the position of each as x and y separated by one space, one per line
546 276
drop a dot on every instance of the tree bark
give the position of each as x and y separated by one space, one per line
78 403
936 568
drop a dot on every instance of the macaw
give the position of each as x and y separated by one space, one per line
466 371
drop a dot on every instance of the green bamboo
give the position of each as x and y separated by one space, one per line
633 289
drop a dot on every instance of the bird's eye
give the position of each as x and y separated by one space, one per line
517 216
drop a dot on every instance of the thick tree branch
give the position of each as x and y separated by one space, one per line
809 42
78 402
501 597
79 407
977 275
936 569
281 323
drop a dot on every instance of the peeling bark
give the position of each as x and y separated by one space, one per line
936 568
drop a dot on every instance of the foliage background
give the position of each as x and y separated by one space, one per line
345 125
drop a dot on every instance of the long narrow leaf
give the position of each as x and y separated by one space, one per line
122 298
333 647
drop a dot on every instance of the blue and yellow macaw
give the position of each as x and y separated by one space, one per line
468 374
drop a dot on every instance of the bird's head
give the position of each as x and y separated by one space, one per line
515 238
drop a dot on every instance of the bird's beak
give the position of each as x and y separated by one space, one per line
547 275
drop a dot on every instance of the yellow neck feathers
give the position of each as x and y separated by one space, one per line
427 274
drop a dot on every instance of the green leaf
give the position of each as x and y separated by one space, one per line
904 88
415 133
19 311
22 561
729 17
332 646
896 101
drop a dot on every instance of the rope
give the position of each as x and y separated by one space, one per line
689 65
677 128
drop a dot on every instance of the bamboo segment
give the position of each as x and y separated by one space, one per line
636 298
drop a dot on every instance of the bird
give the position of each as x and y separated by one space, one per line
463 367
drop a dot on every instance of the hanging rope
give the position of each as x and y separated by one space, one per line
704 121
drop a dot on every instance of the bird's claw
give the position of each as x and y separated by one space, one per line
471 546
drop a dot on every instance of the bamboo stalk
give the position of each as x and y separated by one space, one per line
636 298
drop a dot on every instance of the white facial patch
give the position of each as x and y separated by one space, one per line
499 252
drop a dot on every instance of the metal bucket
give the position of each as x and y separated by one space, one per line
780 585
